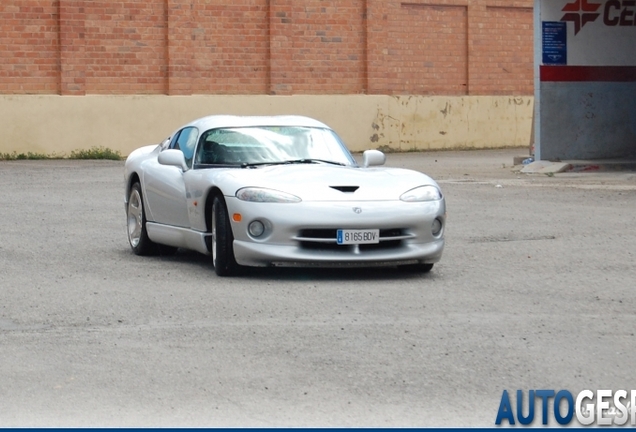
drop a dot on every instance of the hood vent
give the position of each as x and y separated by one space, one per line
347 189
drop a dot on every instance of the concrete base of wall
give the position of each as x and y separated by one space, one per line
588 120
61 124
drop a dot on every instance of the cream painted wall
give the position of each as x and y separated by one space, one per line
60 124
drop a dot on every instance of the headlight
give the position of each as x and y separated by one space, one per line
255 194
422 193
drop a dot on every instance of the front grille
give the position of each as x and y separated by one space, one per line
327 234
324 239
330 233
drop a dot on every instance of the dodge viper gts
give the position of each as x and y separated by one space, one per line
279 191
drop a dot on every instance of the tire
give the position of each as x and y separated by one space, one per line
136 227
417 268
222 240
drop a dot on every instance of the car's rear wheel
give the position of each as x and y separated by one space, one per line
222 240
417 268
136 227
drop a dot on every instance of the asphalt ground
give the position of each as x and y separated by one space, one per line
535 291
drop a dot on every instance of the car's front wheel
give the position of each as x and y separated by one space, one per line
136 227
222 240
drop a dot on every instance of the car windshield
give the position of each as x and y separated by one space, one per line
255 146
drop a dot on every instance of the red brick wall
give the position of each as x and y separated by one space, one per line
502 55
445 47
328 46
29 47
427 51
125 47
230 47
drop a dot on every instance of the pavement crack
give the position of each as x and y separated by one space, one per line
492 239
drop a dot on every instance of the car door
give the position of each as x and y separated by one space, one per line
164 185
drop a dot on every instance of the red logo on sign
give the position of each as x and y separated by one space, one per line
580 12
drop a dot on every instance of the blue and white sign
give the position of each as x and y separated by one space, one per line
555 43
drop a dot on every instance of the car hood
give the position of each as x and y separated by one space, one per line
313 182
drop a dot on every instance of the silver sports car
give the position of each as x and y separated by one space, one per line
281 190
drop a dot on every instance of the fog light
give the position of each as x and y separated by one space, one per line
437 227
256 228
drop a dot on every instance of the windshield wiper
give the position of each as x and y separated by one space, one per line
301 161
291 162
256 164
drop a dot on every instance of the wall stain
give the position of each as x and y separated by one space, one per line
413 123
447 109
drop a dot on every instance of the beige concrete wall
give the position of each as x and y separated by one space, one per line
60 124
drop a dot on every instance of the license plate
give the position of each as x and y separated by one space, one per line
349 237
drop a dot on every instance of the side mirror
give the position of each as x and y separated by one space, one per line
173 157
373 158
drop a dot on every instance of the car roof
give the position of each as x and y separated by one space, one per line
221 121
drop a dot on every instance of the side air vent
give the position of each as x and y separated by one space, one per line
347 189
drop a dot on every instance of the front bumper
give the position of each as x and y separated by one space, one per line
260 255
284 243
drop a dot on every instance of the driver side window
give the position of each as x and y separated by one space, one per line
185 140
